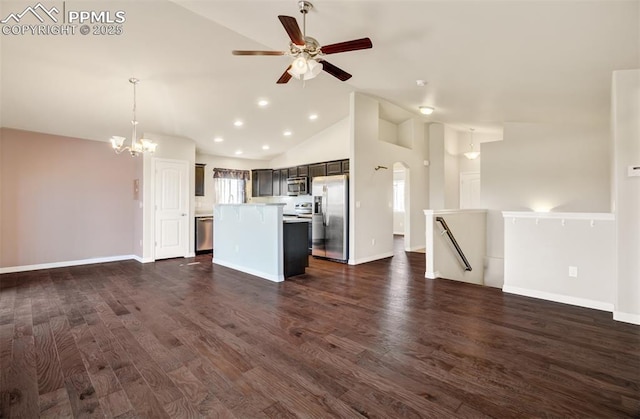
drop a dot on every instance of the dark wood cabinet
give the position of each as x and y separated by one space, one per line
267 182
345 167
276 183
334 168
316 170
200 179
284 174
262 182
295 253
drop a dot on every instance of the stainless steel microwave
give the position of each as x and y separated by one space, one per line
297 186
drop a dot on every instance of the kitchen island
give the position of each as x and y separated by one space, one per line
256 239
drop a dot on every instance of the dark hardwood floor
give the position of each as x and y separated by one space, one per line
177 339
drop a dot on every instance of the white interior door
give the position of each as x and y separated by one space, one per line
171 208
469 190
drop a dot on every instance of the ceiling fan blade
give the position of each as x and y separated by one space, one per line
236 52
291 26
285 77
356 44
335 71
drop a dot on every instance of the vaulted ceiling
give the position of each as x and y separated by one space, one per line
484 63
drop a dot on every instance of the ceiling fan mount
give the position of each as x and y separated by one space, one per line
307 52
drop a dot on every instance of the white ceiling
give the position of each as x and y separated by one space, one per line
485 63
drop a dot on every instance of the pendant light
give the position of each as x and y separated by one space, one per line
471 155
137 146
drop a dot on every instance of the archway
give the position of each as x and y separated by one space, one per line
402 203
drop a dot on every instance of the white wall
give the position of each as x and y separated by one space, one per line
542 167
249 238
626 191
442 260
329 144
387 131
444 171
371 191
451 169
540 248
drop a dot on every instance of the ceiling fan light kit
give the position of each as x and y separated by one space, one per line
307 53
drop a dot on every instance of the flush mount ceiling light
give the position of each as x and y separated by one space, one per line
313 117
426 110
265 147
218 140
238 123
471 155
287 133
263 102
137 146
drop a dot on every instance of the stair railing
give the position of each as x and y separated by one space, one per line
447 231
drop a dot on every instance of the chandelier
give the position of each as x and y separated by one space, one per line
137 146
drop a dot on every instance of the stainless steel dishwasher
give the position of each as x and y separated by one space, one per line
204 234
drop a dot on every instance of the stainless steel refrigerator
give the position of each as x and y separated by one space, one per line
330 221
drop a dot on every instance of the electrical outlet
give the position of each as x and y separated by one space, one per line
573 271
373 242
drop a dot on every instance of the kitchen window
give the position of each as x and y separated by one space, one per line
230 186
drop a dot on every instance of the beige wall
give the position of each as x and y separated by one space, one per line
550 167
63 199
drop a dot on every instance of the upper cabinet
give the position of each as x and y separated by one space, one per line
262 182
267 182
334 168
319 169
200 179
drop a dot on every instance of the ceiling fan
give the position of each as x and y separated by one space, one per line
307 53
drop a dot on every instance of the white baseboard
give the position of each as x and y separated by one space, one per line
370 258
270 277
65 264
432 275
416 249
142 260
559 298
626 317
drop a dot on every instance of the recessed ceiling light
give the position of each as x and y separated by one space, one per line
238 123
313 116
265 147
287 133
263 102
426 110
238 152
218 140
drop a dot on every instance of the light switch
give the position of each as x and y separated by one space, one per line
633 171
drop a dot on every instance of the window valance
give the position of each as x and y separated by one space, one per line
231 174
